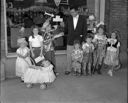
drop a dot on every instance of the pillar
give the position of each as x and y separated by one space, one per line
100 10
3 55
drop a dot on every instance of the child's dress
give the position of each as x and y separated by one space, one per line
100 48
22 64
112 58
87 52
43 75
77 56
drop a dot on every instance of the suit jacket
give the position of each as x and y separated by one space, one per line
74 34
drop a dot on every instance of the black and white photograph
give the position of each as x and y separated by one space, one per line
64 51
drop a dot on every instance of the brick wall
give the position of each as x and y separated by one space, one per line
116 18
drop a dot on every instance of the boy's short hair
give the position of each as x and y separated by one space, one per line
74 7
76 42
90 35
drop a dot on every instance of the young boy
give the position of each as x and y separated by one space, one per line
88 49
77 56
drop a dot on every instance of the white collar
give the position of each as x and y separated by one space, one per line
76 17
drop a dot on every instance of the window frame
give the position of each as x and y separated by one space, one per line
13 54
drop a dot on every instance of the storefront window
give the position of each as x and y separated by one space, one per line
26 13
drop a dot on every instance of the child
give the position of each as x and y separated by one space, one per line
40 74
23 58
77 56
36 44
48 45
100 41
112 55
88 48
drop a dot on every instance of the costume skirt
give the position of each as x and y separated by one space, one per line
98 55
111 58
38 76
22 66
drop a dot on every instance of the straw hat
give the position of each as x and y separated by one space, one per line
21 41
99 24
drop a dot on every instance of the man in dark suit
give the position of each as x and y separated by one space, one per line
76 29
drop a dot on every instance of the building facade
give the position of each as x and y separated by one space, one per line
112 12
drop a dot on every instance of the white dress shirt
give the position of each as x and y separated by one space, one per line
75 20
36 42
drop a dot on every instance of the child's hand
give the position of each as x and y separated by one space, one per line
32 66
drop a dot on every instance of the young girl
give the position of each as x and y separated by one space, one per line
100 41
36 44
23 58
40 74
88 48
112 55
48 45
77 56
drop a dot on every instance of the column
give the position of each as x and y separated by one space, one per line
102 10
3 56
97 10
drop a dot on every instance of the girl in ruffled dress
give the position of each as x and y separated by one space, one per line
40 74
88 49
23 60
100 41
77 56
112 55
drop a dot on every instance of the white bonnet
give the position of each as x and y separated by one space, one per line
101 23
21 41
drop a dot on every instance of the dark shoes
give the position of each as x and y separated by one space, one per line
98 70
78 74
67 72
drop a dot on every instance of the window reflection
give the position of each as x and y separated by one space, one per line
22 13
